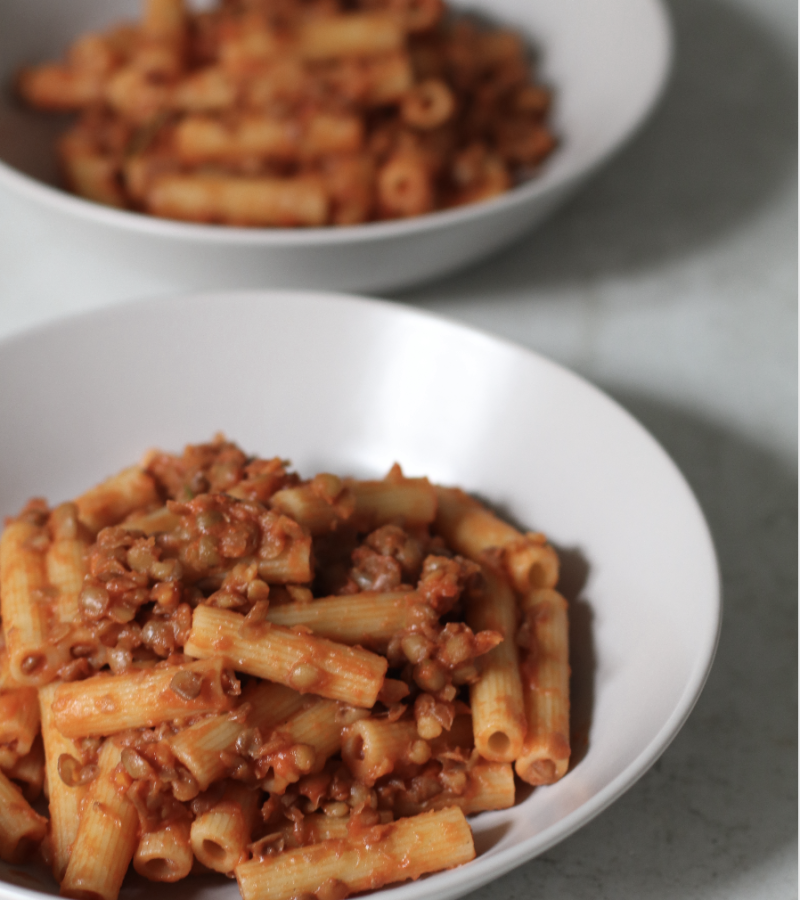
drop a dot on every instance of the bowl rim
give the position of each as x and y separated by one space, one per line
544 183
457 882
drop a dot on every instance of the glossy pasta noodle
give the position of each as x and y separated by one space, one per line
295 112
303 684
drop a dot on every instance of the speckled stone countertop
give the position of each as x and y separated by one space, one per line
671 282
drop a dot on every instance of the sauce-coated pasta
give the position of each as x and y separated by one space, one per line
303 684
295 112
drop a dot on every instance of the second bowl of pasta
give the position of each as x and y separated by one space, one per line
366 145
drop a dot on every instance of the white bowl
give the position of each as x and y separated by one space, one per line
606 61
350 385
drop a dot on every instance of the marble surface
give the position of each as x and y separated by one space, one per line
671 282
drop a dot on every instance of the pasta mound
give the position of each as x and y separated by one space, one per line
307 684
295 112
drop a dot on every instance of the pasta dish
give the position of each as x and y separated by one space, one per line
295 112
210 663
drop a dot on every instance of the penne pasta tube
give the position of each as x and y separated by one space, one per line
134 96
473 530
21 828
317 723
317 726
489 785
325 134
200 746
107 704
366 504
373 747
221 835
410 501
270 704
545 678
498 710
66 561
370 618
318 826
59 88
19 720
405 186
293 565
202 139
117 497
166 853
409 848
239 200
64 800
301 661
428 104
354 34
26 605
320 506
107 834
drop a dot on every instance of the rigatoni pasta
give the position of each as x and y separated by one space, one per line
107 704
28 611
303 684
296 659
67 781
545 677
201 747
411 846
295 113
165 854
107 832
219 836
496 696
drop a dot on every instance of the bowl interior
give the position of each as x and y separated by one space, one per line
349 385
606 62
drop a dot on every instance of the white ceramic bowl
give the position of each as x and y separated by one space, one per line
351 385
606 61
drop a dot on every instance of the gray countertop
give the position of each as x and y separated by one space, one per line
671 282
